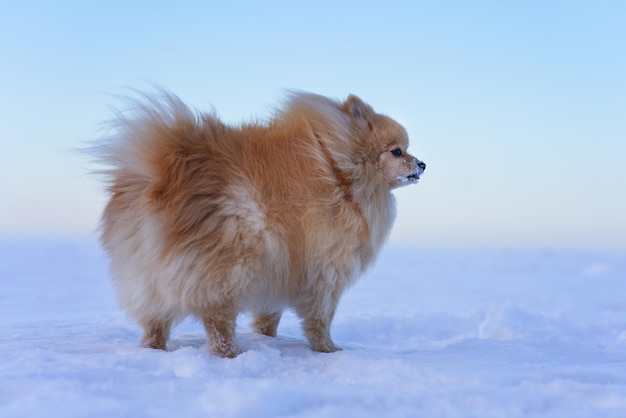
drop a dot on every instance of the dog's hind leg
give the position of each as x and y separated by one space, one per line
267 323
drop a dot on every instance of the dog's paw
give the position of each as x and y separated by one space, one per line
325 347
224 349
155 342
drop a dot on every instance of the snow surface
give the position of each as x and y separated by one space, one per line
427 333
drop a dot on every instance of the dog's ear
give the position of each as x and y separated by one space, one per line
358 109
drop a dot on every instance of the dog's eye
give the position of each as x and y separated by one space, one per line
396 152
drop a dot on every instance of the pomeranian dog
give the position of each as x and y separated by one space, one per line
211 220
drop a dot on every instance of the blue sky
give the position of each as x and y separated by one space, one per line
518 108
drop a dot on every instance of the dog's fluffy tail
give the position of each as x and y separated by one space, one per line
141 134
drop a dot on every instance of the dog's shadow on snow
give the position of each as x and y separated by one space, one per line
248 342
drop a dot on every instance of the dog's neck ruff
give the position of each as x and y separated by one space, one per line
343 182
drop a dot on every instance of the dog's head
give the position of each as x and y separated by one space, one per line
387 142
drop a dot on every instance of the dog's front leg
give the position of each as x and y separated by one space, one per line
317 313
220 322
317 331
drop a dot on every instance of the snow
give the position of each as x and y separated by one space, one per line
427 333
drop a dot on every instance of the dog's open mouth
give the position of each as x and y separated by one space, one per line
413 177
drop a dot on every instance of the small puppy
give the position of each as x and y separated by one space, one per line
210 220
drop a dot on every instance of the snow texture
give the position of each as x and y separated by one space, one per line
427 333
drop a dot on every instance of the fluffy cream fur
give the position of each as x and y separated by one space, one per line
210 220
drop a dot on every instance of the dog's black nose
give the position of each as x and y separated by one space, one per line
422 165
